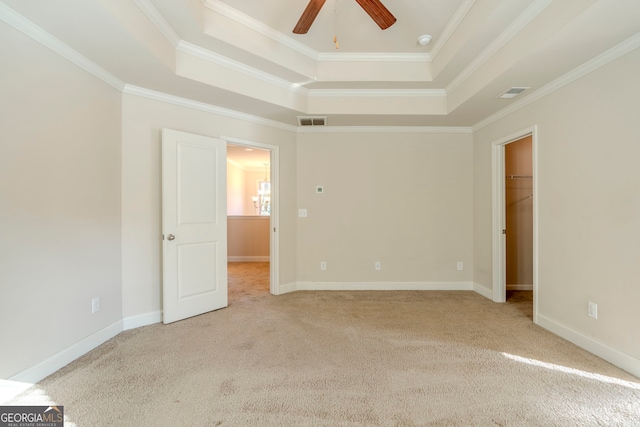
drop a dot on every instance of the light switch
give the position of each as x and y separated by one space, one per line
302 213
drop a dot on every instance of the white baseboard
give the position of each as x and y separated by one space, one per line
286 288
248 258
140 320
49 366
485 292
622 360
384 286
519 287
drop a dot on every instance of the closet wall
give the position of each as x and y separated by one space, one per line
519 214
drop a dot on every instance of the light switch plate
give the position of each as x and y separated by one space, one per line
302 213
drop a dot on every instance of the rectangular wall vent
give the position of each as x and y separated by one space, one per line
312 120
513 92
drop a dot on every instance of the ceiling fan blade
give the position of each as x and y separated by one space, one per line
308 16
378 13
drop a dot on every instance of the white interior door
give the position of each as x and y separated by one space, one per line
194 224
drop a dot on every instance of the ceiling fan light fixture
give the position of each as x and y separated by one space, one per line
424 40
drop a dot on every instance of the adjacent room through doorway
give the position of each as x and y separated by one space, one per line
248 222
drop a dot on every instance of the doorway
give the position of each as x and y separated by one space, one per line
515 219
519 195
252 217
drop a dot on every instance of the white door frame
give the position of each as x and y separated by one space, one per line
274 218
499 215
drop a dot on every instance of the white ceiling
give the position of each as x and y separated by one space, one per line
249 159
242 55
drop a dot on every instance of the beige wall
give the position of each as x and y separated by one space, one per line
59 203
143 120
241 186
80 205
401 198
235 190
588 198
248 238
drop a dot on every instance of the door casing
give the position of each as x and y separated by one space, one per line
499 215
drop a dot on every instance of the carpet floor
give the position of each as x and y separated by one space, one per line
367 358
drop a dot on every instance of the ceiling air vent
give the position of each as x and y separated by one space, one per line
513 92
312 120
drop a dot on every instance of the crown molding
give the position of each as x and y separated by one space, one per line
201 106
30 29
373 57
452 26
259 27
156 18
192 49
508 34
255 25
599 61
376 93
388 129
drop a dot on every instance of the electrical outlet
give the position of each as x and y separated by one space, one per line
323 265
460 266
302 213
592 310
378 266
95 305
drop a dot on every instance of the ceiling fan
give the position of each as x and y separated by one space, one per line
374 8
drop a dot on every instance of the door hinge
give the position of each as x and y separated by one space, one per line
274 229
504 231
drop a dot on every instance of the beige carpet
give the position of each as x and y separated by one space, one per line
344 359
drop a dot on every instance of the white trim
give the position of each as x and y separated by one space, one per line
622 360
451 26
188 103
520 287
156 18
239 67
498 221
499 215
485 292
384 286
389 129
599 61
64 357
241 258
259 27
140 320
506 36
377 93
27 27
287 288
373 57
291 43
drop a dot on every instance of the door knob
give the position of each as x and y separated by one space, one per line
171 237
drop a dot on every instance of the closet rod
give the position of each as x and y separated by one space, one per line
519 177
